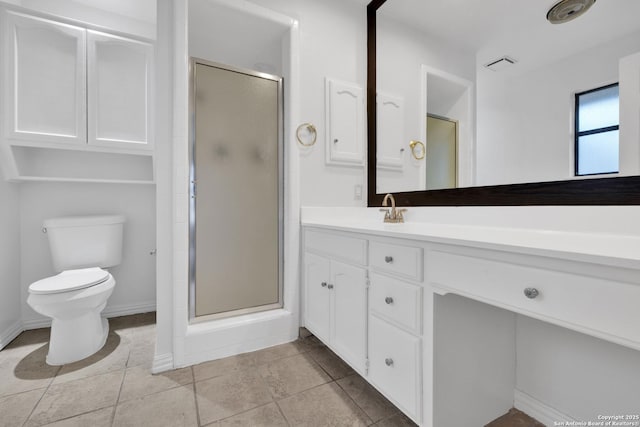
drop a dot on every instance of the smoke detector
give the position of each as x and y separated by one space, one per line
567 10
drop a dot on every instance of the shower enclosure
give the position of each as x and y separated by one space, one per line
236 191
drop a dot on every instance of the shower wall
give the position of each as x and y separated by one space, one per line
236 191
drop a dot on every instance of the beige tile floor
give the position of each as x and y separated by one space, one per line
296 384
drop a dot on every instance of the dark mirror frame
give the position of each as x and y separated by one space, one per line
598 191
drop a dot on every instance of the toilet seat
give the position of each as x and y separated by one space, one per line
69 280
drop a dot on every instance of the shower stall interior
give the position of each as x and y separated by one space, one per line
236 191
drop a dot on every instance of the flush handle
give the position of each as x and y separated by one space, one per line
388 259
531 293
388 300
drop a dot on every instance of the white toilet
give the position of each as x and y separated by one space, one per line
80 248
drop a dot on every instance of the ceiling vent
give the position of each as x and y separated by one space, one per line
568 10
500 64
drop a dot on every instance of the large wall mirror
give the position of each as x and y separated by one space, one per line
490 103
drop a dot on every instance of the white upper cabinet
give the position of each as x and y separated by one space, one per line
119 84
345 123
67 84
44 79
390 131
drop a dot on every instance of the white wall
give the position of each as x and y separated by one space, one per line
9 262
525 120
135 277
332 44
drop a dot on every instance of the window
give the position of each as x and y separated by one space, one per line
597 129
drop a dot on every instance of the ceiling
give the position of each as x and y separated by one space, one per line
517 28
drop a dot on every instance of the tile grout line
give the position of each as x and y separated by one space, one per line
286 420
195 396
353 400
115 406
41 397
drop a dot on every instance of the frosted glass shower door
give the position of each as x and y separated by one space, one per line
236 233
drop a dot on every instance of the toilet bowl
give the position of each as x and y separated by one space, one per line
74 299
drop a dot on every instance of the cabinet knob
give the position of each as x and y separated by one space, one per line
388 259
531 293
323 284
388 361
330 286
388 300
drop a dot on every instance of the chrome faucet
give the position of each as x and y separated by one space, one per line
394 215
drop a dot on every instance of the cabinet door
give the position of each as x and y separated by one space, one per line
349 297
44 83
345 125
119 87
317 275
390 132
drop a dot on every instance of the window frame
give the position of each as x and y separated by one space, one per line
578 134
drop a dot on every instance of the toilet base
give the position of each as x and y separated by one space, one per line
77 338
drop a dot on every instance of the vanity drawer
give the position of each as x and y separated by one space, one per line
394 365
337 246
396 301
604 308
401 260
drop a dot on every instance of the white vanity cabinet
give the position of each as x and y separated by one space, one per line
395 317
447 316
336 294
66 84
368 309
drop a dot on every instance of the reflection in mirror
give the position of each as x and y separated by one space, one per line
510 87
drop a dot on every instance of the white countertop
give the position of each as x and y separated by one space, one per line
603 248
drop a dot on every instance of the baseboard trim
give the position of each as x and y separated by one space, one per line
162 363
126 309
113 311
10 334
36 323
538 410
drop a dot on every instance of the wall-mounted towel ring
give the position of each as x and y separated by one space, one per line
417 150
306 134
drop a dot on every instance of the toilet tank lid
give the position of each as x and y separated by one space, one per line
82 221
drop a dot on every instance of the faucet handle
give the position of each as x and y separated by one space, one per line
387 214
399 214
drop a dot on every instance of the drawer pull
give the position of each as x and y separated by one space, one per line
323 284
531 293
388 361
388 300
388 259
330 286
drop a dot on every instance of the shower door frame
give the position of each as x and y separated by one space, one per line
193 61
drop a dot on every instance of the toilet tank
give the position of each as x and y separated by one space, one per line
85 241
